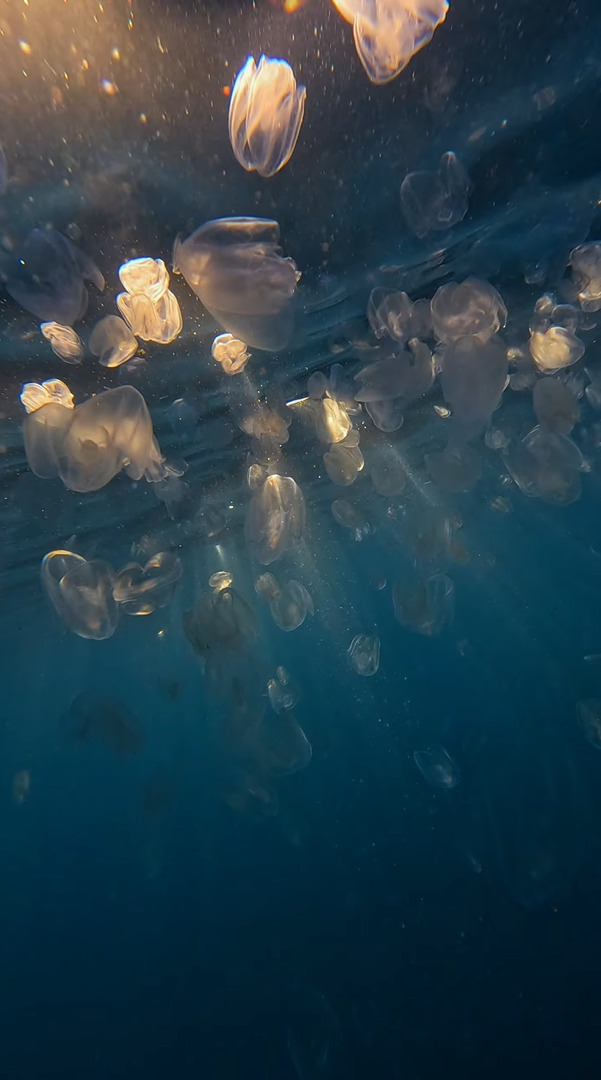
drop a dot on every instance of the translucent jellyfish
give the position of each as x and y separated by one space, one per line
344 460
586 270
159 321
350 518
394 315
275 518
221 620
437 767
174 493
454 469
388 33
279 745
426 608
364 654
589 718
555 405
112 342
265 115
81 593
267 586
21 786
105 720
34 395
282 692
235 267
388 415
317 384
140 590
387 475
291 605
221 580
435 201
471 308
66 344
147 276
49 281
87 446
267 426
555 349
405 376
546 466
473 379
231 353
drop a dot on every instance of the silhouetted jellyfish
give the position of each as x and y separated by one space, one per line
81 593
103 719
231 353
235 267
405 376
350 518
387 474
49 281
221 620
140 590
394 315
586 271
437 767
427 607
555 405
435 201
388 33
473 378
471 308
88 445
265 115
546 466
112 342
282 692
275 518
66 344
454 469
364 654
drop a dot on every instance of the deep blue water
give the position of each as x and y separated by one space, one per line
174 909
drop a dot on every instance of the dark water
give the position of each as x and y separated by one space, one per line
180 898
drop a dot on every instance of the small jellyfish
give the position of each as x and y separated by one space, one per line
344 460
105 720
473 379
454 469
66 344
275 518
435 201
350 518
34 395
112 342
331 420
555 349
283 694
437 768
49 278
555 405
364 654
589 718
387 416
221 621
388 33
235 267
586 268
265 115
426 608
141 590
266 586
159 321
145 275
394 315
221 580
405 376
387 474
231 353
81 593
471 308
290 607
546 466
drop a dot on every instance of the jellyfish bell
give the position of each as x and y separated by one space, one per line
159 321
546 466
473 379
586 270
145 275
388 33
364 654
66 344
112 342
231 353
265 115
49 281
555 405
81 593
435 201
140 590
555 348
471 308
275 518
235 267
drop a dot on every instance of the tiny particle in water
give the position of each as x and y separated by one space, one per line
109 87
442 411
226 91
25 47
593 658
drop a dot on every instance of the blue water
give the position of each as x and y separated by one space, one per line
171 907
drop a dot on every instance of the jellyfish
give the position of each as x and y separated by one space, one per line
222 579
555 348
106 720
289 603
279 745
231 353
140 590
275 518
405 376
221 620
350 518
88 445
435 201
428 607
344 460
147 276
394 315
112 342
555 405
364 654
473 379
66 344
50 278
387 474
388 33
471 308
81 593
589 718
546 466
388 415
265 115
586 269
437 768
454 469
283 694
235 267
159 321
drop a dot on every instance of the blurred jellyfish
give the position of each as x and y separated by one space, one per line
221 620
364 654
454 469
279 745
546 466
66 344
49 281
291 606
21 786
404 376
344 460
87 446
275 518
426 608
265 115
586 269
231 353
140 590
106 720
350 518
388 415
81 593
388 33
267 586
331 420
387 474
175 494
473 379
267 426
555 349
235 267
221 580
471 308
589 718
555 405
394 315
437 767
282 692
435 201
112 342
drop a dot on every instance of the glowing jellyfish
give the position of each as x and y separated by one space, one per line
265 115
350 518
34 395
231 353
472 308
291 605
426 608
546 466
388 33
555 348
364 654
81 593
66 344
344 460
331 420
160 321
147 276
49 281
473 379
112 342
235 267
435 201
394 315
140 590
88 445
222 579
555 405
437 768
275 518
586 269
